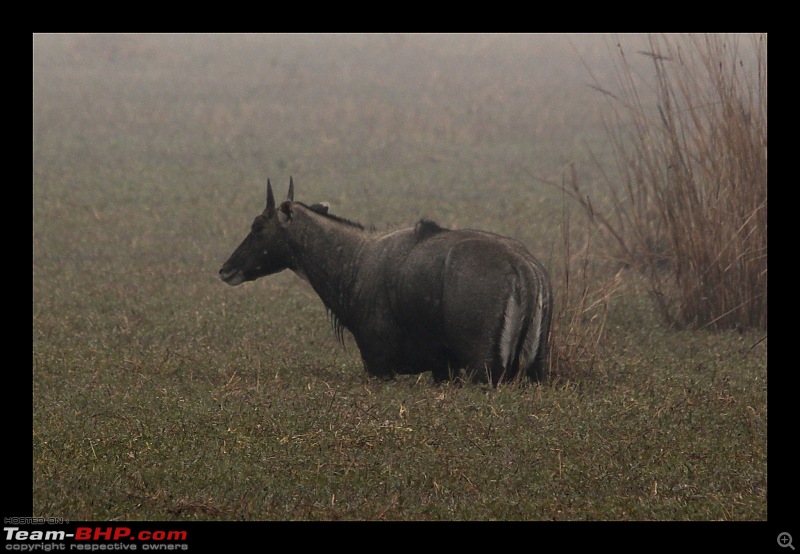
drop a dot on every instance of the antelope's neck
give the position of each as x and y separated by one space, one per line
325 252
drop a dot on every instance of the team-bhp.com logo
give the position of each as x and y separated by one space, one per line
94 539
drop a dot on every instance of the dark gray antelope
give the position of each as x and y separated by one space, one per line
420 299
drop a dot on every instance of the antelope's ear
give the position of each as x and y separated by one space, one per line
321 207
285 213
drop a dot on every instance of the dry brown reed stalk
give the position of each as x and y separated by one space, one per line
582 297
688 208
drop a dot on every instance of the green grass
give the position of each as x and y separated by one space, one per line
300 433
161 393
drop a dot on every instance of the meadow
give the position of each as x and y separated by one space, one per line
160 393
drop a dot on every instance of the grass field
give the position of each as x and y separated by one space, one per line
160 393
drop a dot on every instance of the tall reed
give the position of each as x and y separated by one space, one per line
583 292
687 206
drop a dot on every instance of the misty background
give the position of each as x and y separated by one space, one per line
412 119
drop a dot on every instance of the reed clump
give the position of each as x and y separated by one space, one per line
687 204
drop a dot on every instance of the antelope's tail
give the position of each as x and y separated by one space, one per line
533 343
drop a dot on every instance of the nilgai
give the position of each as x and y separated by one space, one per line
419 299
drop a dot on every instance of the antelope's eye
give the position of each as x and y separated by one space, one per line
258 224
